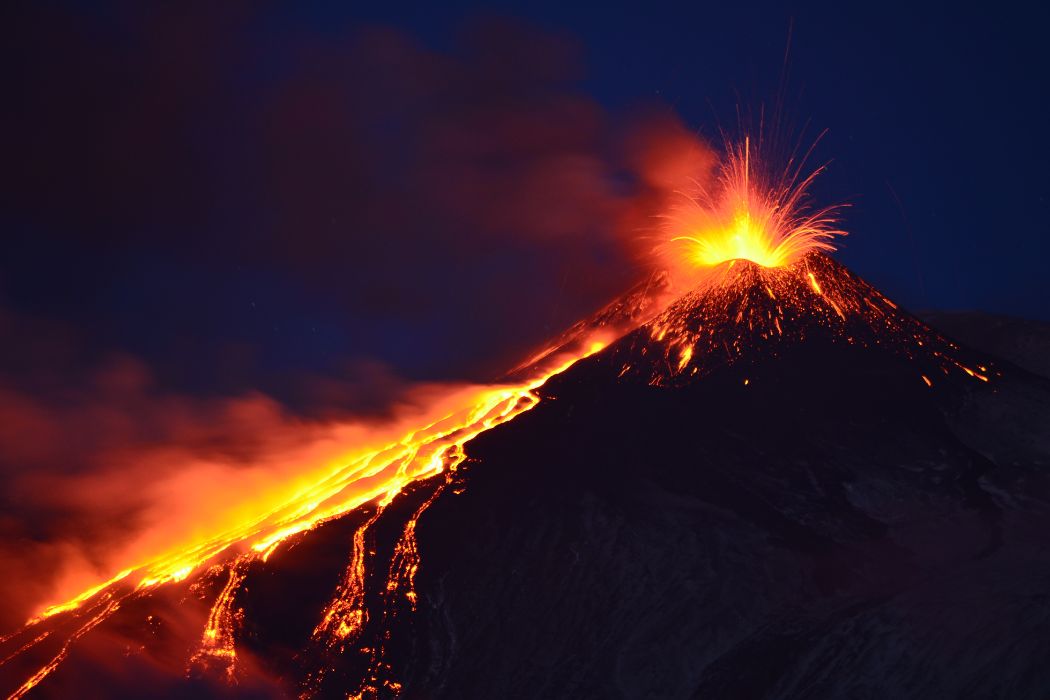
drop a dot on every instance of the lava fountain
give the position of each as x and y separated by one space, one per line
747 215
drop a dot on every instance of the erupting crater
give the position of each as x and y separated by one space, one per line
747 215
744 311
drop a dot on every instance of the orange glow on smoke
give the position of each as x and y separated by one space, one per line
253 532
747 216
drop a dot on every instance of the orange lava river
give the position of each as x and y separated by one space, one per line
377 475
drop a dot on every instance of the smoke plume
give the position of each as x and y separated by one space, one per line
242 252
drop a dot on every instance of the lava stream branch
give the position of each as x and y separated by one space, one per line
346 615
218 643
400 586
94 620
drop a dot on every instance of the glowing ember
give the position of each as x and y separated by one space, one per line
747 216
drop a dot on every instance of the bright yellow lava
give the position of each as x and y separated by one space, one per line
380 473
743 239
748 216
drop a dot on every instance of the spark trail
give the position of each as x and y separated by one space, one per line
748 215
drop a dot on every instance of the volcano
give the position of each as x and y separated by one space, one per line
746 313
781 485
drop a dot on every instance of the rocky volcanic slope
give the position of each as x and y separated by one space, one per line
1024 342
833 528
789 511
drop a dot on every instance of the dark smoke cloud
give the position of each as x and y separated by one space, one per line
231 239
468 199
101 468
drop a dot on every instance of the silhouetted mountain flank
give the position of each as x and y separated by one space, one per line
1022 341
824 499
792 512
744 312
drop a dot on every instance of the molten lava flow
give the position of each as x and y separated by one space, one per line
379 474
217 646
747 217
345 616
400 584
344 620
93 617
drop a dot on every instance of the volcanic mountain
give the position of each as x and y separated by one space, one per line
746 313
779 486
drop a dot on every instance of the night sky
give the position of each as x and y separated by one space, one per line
265 197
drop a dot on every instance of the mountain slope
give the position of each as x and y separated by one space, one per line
1024 342
809 520
825 499
821 532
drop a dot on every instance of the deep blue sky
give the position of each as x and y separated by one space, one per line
937 115
171 168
